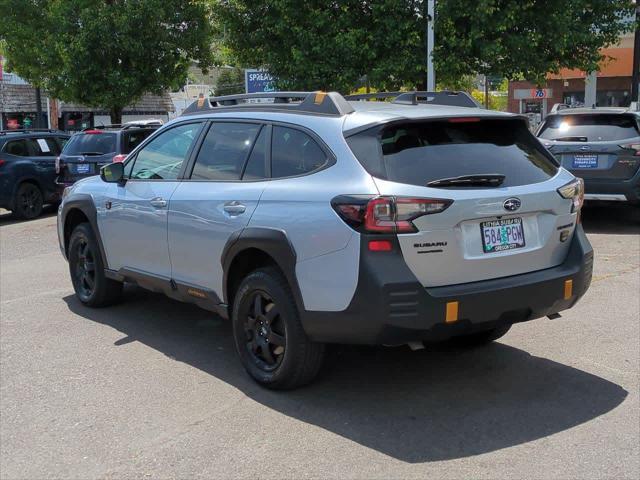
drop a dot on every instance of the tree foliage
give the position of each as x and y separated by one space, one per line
105 54
526 38
329 45
332 45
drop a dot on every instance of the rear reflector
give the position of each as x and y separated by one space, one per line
452 312
568 289
380 246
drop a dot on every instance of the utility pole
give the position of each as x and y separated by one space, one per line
38 123
431 17
635 75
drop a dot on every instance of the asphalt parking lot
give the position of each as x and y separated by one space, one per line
152 388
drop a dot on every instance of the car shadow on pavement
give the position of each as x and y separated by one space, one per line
8 218
422 406
611 218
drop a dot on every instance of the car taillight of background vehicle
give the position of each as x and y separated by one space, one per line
119 158
632 146
386 214
574 190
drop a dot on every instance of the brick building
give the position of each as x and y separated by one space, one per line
613 84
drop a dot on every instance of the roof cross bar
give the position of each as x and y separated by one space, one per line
322 103
449 98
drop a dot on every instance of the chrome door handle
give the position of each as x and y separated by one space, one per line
158 202
234 208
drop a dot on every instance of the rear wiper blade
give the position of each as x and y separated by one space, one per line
483 180
91 153
570 139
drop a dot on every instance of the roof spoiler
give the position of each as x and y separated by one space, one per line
446 97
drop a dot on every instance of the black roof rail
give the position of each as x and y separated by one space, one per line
449 98
320 103
30 130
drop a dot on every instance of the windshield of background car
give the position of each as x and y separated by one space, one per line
91 144
597 127
417 153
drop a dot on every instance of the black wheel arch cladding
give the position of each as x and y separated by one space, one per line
82 203
272 242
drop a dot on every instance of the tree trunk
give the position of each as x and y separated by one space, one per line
116 115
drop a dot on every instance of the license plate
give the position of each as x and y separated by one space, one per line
585 161
501 235
83 168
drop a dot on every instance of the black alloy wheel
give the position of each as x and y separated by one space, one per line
28 202
265 332
84 270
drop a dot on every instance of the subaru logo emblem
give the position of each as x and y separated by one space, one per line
512 204
584 148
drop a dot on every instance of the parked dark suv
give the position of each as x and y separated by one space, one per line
599 145
91 149
27 170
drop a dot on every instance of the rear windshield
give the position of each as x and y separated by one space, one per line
91 144
419 153
589 128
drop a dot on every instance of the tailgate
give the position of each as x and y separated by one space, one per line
476 238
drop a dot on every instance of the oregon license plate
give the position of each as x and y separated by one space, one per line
501 235
585 160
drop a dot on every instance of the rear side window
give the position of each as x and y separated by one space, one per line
17 147
589 127
133 138
44 147
294 153
224 151
417 153
91 144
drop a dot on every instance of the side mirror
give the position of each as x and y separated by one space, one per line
112 173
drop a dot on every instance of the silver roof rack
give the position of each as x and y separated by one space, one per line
448 98
319 103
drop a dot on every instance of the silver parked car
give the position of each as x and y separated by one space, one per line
315 219
599 145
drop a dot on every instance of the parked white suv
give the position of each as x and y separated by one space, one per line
315 219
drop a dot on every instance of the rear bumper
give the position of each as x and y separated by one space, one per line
603 189
390 306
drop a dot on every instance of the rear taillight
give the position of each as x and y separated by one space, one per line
386 214
632 146
1 162
574 190
119 158
58 163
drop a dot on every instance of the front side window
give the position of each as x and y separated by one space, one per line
162 157
293 153
224 151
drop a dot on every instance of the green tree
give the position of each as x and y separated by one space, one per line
230 81
332 45
526 38
105 54
328 45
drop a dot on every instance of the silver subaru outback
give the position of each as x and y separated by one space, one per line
317 219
